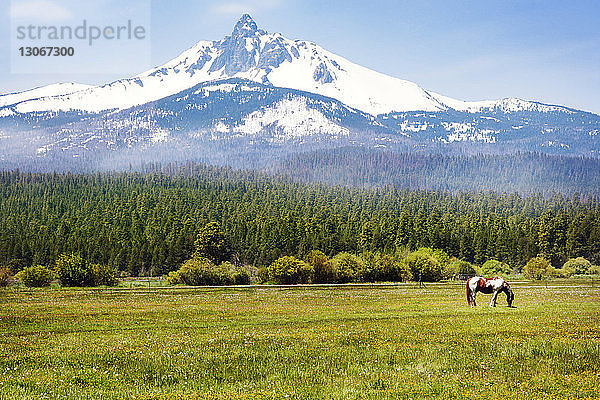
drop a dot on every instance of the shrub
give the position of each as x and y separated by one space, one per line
567 271
369 272
348 267
6 277
36 276
202 272
594 270
580 265
495 268
462 268
440 255
241 277
222 274
104 275
72 270
251 271
289 271
175 278
537 268
198 272
263 274
233 275
390 268
323 269
424 265
554 272
563 272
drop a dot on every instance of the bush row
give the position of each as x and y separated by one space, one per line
70 270
203 272
210 266
540 267
423 265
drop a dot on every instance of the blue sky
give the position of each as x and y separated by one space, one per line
472 50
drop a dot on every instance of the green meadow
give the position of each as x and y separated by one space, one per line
312 342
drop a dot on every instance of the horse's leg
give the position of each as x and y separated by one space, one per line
474 295
494 296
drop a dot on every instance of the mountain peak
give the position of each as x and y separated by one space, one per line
245 27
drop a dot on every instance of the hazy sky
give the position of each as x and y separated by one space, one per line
471 50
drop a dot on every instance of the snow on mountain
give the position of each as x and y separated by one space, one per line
218 116
252 53
505 105
44 91
292 118
262 93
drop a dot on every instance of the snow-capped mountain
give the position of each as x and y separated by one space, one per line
251 53
256 90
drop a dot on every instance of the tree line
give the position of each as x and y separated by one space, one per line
211 265
526 173
147 223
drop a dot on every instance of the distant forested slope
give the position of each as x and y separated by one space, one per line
522 173
146 222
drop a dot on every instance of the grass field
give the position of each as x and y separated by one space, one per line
369 342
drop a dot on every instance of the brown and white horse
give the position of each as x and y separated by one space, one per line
487 286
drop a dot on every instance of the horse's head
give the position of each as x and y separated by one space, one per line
510 296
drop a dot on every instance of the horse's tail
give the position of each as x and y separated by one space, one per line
468 292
